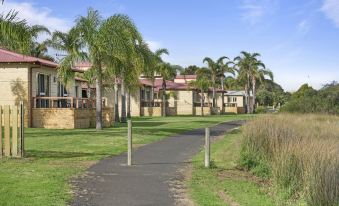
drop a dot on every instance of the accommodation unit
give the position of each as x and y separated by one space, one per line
235 102
48 102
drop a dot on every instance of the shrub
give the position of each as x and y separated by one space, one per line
300 153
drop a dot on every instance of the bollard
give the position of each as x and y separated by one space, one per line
129 143
207 147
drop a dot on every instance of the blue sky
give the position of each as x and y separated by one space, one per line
298 39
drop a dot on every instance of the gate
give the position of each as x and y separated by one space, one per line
12 131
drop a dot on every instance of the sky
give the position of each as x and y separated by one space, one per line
297 39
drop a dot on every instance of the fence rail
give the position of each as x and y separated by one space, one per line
12 131
63 102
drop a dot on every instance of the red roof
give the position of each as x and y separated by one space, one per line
186 76
7 56
80 79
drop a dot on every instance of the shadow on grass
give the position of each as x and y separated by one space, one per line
58 154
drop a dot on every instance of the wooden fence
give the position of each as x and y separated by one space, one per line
12 131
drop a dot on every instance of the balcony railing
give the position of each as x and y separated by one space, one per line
230 104
198 104
63 102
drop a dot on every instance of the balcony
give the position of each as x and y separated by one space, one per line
63 102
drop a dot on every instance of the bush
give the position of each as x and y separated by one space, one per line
260 110
300 153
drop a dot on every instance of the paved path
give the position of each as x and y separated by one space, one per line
151 179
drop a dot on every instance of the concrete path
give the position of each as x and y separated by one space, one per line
152 178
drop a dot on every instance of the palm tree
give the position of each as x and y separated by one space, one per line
215 68
157 68
202 83
223 69
167 71
17 35
250 69
259 73
120 40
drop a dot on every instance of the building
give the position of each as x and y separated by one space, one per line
48 102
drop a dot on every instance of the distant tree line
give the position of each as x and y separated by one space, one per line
309 100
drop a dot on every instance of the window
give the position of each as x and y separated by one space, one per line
84 93
62 91
76 91
43 85
148 95
142 94
234 99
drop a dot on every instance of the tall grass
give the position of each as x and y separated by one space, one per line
300 153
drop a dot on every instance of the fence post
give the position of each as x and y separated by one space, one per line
22 127
14 117
129 143
207 147
7 132
0 132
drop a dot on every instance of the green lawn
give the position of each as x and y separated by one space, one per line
224 184
55 156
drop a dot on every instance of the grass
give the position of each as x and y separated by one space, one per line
224 184
54 157
299 153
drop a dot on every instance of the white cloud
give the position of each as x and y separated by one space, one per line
253 11
331 10
154 45
36 15
303 26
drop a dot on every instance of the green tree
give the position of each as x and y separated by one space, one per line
167 72
250 70
202 84
224 69
215 68
190 70
109 48
17 35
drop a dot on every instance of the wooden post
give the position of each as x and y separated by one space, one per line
7 149
207 147
22 127
14 117
129 143
0 132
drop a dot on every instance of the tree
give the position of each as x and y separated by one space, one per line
167 71
250 70
258 74
190 70
215 69
202 83
223 69
71 44
17 35
108 45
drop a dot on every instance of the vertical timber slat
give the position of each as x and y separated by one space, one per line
7 149
0 132
14 117
22 127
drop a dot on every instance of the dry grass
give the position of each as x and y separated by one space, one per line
300 153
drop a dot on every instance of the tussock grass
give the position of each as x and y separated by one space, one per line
300 153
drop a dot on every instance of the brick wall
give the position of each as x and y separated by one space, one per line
151 111
70 118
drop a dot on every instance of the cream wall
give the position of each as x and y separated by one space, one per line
53 73
13 84
240 100
184 103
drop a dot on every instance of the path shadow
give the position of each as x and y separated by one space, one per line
163 163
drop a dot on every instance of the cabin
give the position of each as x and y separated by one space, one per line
48 102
